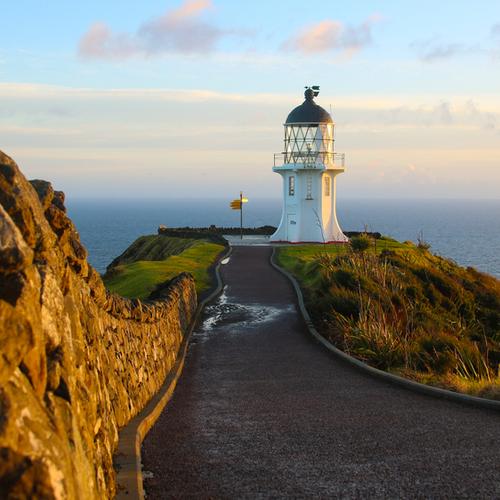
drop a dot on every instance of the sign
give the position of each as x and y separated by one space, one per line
238 205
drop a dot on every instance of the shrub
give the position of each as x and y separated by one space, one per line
360 243
396 300
444 284
346 279
372 337
421 243
431 293
445 353
412 292
345 302
435 353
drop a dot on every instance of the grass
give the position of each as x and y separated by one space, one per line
137 279
303 259
153 247
402 309
310 251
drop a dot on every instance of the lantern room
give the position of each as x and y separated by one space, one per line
309 133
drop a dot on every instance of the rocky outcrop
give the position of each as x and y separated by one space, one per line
76 362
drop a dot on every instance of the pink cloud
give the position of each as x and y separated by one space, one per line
178 30
317 38
190 8
331 35
101 43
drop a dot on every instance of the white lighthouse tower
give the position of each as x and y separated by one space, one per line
309 167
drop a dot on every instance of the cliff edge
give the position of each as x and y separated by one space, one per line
76 362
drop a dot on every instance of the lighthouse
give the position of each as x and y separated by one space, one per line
309 166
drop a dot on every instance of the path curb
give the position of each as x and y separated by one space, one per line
127 458
428 390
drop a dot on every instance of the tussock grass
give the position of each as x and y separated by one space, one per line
405 310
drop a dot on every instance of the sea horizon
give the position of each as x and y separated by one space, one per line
466 230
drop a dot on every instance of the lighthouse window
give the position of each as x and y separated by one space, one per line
291 185
327 186
309 188
309 144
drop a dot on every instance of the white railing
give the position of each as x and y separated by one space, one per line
310 159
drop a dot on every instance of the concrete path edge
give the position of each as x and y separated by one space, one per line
389 377
127 458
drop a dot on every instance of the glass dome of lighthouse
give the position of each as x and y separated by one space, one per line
309 133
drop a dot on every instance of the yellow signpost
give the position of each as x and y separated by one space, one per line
238 205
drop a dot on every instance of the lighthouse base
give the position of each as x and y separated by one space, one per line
309 212
310 242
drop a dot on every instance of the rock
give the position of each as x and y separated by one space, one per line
14 253
16 339
58 200
76 362
23 477
44 191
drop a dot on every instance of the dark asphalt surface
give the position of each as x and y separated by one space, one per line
262 411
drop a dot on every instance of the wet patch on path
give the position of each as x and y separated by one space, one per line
230 315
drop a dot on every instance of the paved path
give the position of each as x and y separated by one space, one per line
263 411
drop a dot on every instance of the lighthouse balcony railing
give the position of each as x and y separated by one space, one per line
310 159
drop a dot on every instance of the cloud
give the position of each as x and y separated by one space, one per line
27 92
484 119
107 133
495 37
414 175
453 117
329 35
433 50
317 38
445 51
179 30
101 43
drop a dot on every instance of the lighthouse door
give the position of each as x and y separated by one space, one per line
291 227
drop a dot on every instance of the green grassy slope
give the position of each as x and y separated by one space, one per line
405 310
303 259
153 247
137 277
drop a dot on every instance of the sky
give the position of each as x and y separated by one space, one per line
188 98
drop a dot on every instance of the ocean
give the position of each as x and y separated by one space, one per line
467 231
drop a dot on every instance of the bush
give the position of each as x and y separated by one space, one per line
435 353
360 243
421 243
346 279
345 302
413 292
430 293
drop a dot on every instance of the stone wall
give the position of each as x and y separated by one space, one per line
76 362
